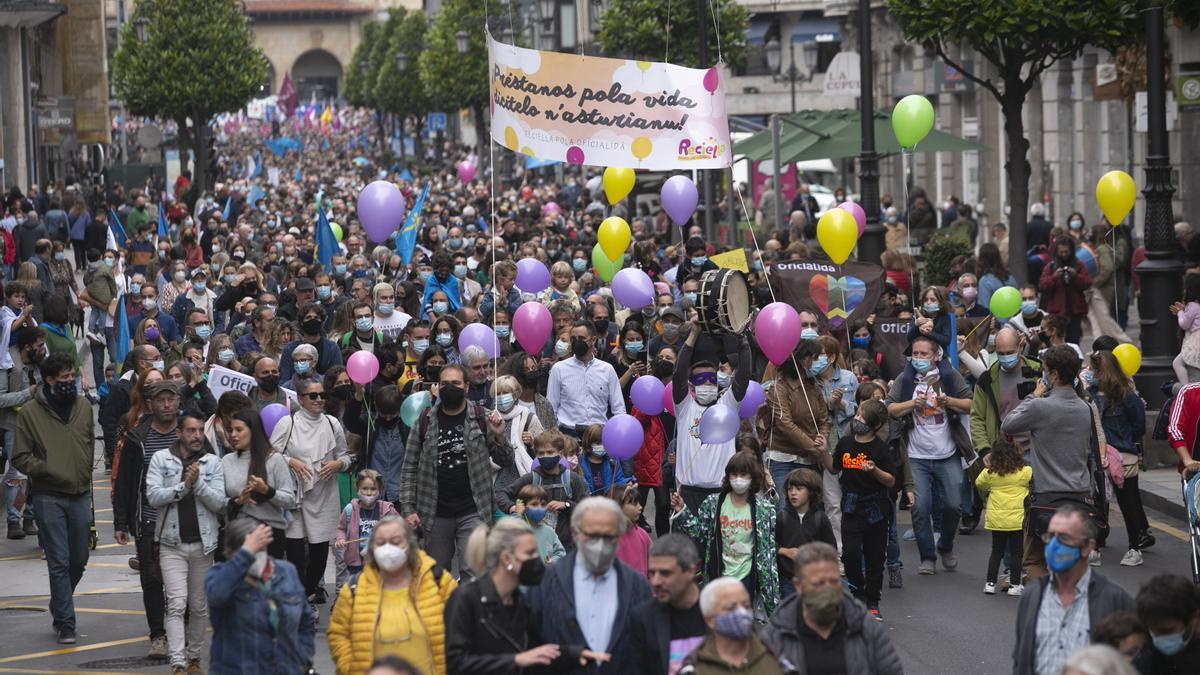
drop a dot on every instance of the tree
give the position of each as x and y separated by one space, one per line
401 92
198 60
638 29
1020 45
357 89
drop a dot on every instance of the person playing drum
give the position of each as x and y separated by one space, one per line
700 468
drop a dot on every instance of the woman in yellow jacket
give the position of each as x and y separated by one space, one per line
395 606
1005 483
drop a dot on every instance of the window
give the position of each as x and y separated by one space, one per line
566 26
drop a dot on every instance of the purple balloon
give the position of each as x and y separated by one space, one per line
481 336
532 324
381 209
679 198
532 275
755 396
622 437
855 210
647 394
719 424
271 415
633 288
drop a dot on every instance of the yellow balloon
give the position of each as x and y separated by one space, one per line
837 232
1129 358
1115 193
618 183
642 147
528 152
643 65
510 139
614 237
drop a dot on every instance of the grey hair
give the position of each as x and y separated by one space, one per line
485 545
305 349
472 353
506 384
235 534
812 552
679 547
708 594
964 275
1098 659
304 384
410 540
1090 531
1037 209
602 503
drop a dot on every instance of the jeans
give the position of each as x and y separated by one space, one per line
946 477
1005 543
16 483
98 354
150 575
893 543
448 540
779 472
63 522
183 570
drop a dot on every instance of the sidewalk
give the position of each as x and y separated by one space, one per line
1162 491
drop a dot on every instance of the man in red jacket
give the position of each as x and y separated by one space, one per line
1181 429
1062 285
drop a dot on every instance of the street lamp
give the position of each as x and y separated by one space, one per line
793 74
401 61
460 41
547 10
141 26
364 67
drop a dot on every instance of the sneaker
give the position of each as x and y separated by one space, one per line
134 563
95 338
1094 558
320 597
949 560
15 531
989 588
909 535
927 567
895 579
1145 541
874 612
29 527
66 636
158 648
1133 558
193 667
1016 591
178 669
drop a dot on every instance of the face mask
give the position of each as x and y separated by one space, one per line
386 309
706 394
149 303
367 500
340 269
824 605
970 293
503 332
930 308
1060 557
444 339
59 255
1076 224
225 356
735 625
63 391
420 345
599 451
363 323
504 402
109 262
178 276
302 367
535 514
597 555
152 333
548 464
240 255
269 383
424 276
389 557
323 292
690 296
699 262
579 347
808 334
561 348
455 243
203 332
1028 307
311 326
440 307
573 462
198 287
860 428
1172 644
722 380
159 365
922 366
663 368
670 330
259 565
991 342
460 271
818 366
452 396
635 347
740 485
1008 361
860 342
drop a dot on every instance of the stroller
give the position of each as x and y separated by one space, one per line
1191 498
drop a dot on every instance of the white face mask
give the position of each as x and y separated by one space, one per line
740 485
259 565
706 394
389 557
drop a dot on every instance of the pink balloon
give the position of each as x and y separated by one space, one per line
777 329
532 275
661 287
481 336
860 216
668 400
575 154
633 288
711 80
271 415
646 394
551 209
755 397
532 324
466 171
623 436
362 367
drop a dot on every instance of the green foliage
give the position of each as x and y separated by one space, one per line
198 60
636 29
454 80
938 254
402 93
355 86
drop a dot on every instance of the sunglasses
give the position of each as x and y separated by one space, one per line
314 395
703 378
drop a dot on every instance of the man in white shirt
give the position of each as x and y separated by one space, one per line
583 390
700 467
388 320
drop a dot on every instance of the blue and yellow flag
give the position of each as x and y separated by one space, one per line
327 244
406 241
123 338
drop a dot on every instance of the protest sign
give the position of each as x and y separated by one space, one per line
607 112
891 341
221 380
842 293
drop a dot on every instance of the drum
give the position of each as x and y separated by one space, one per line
723 302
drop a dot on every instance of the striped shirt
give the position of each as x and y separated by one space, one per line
154 442
1061 630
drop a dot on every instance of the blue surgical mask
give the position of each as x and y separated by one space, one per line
302 367
722 379
818 366
991 342
504 402
386 308
758 265
203 332
809 334
922 366
159 365
579 265
135 289
1076 224
440 307
1088 377
340 268
364 323
444 339
199 286
1060 557
425 276
228 278
1008 361
420 345
1028 307
225 355
930 308
455 243
699 262
598 450
634 346
535 514
109 262
60 255
460 271
1170 645
691 297
503 332
860 342
323 292
561 348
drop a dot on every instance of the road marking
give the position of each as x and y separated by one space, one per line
115 566
70 650
89 610
57 672
103 510
105 522
1174 532
98 591
26 556
112 545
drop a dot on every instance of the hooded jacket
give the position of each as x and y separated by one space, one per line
705 659
868 651
55 453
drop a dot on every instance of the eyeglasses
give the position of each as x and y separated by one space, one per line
1047 536
610 538
703 378
314 395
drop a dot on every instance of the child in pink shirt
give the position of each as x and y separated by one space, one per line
634 547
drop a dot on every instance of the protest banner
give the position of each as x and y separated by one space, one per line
221 380
891 342
607 112
842 293
732 260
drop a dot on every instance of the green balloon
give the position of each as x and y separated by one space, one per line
410 410
912 120
605 267
1005 303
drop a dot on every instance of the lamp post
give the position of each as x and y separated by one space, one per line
793 74
141 26
461 41
401 60
1161 273
546 9
871 243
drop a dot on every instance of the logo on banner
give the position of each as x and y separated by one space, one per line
837 297
710 148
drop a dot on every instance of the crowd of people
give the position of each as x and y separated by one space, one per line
470 505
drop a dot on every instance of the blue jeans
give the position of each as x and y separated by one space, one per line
63 522
945 476
893 543
98 355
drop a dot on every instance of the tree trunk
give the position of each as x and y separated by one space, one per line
385 144
1017 166
200 150
398 125
181 142
418 146
480 134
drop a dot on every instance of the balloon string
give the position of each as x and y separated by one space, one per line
753 237
716 31
905 154
667 51
1116 296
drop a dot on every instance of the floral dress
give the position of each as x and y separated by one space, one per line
63 275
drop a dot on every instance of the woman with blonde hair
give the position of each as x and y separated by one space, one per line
279 333
520 422
394 607
35 292
561 279
221 353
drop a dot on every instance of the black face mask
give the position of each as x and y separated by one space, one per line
548 464
531 572
311 326
343 392
663 368
387 422
528 379
602 326
452 396
63 392
432 373
269 384
579 346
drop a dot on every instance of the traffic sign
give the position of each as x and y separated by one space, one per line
436 121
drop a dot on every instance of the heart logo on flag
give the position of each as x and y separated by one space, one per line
837 297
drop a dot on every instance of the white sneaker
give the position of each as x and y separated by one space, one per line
989 588
1016 591
1094 558
1133 558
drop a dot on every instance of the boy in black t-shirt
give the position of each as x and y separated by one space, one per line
866 472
